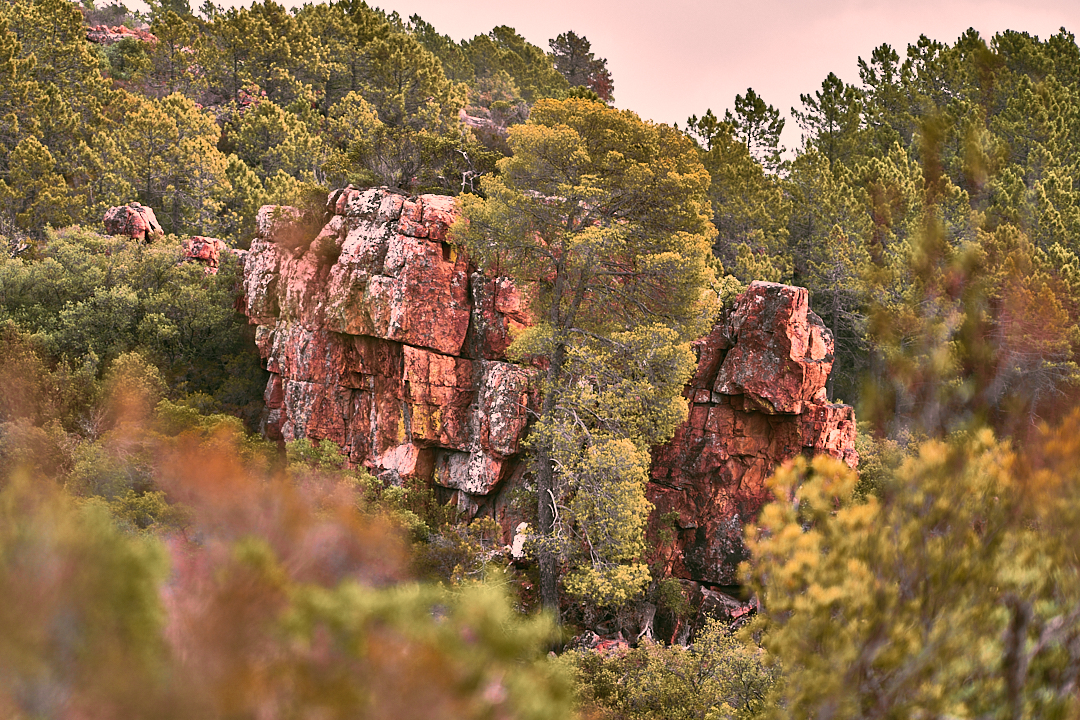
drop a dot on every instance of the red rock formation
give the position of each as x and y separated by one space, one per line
105 35
757 399
365 327
380 336
135 221
204 250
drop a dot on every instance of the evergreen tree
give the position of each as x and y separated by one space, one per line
451 56
174 58
406 85
576 62
18 92
830 119
758 126
750 212
885 109
706 129
602 219
237 217
73 96
269 139
531 70
950 594
35 195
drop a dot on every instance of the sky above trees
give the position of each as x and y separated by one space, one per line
676 60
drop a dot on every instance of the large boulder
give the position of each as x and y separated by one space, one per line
782 352
134 221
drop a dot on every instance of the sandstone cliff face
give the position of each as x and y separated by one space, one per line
756 400
380 337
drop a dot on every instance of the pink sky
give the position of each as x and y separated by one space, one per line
672 60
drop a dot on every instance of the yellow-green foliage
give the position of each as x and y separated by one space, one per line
603 220
608 585
609 509
903 605
82 624
719 677
608 502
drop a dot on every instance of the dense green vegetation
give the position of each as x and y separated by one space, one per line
235 108
158 558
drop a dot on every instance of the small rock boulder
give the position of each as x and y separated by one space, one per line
134 221
205 250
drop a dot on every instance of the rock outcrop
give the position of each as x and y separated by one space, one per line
133 220
206 251
106 35
381 337
756 400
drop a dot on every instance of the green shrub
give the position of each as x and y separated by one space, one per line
719 676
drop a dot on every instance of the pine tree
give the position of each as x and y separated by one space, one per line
174 58
830 119
758 126
18 92
602 220
35 195
576 62
750 212
951 592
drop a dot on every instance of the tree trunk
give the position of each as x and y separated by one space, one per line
549 563
546 496
830 383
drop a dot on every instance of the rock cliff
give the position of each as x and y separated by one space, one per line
381 337
106 35
756 400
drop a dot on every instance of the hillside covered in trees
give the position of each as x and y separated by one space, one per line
158 557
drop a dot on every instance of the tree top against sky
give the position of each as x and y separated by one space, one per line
669 68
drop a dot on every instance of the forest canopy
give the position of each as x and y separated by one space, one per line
183 565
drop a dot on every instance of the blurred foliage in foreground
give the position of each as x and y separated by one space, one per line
180 574
173 566
952 591
719 676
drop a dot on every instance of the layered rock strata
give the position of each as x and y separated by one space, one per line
381 337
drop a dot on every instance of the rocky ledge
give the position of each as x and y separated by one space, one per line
380 336
106 35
